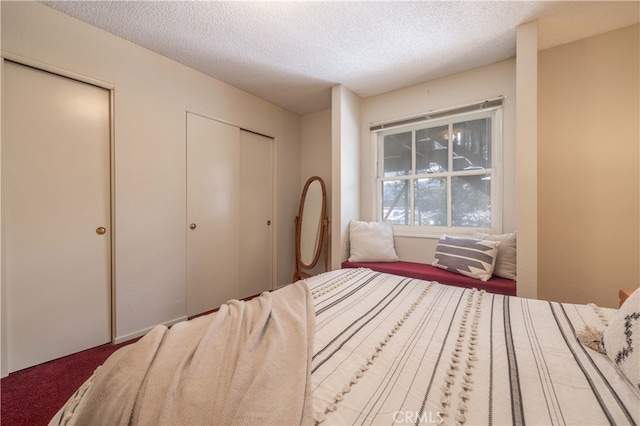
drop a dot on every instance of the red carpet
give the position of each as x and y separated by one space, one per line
32 396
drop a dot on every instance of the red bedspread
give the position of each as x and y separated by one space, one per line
427 272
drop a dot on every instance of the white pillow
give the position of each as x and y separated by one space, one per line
371 242
472 257
621 338
506 260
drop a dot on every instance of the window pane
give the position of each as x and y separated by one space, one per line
431 202
472 144
471 201
432 150
397 154
395 202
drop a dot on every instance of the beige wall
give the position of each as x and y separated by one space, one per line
588 161
152 95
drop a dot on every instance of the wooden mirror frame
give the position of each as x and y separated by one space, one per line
322 246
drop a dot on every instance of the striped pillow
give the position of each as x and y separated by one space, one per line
472 257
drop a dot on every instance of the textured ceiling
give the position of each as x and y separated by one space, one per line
292 52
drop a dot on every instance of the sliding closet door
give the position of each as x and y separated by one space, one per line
213 209
256 212
56 215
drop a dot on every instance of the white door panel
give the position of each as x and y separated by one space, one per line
213 206
256 214
56 171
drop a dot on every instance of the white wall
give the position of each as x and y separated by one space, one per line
527 159
315 157
152 94
459 89
346 112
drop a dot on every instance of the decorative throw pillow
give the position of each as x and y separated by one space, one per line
472 257
621 338
506 260
371 242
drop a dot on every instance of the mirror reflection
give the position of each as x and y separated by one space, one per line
311 228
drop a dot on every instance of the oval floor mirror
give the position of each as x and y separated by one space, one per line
311 228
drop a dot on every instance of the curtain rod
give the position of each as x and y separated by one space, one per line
489 103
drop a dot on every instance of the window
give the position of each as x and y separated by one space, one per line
440 175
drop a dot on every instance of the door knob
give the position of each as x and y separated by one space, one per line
192 226
101 230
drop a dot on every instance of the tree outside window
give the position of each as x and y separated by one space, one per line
440 175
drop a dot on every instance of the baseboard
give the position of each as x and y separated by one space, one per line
142 332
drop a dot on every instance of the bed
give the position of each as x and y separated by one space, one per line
355 346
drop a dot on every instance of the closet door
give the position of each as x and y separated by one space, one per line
56 215
256 212
213 209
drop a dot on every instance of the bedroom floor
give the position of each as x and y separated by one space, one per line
33 396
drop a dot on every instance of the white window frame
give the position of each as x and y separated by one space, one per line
495 172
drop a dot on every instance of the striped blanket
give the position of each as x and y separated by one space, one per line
395 350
